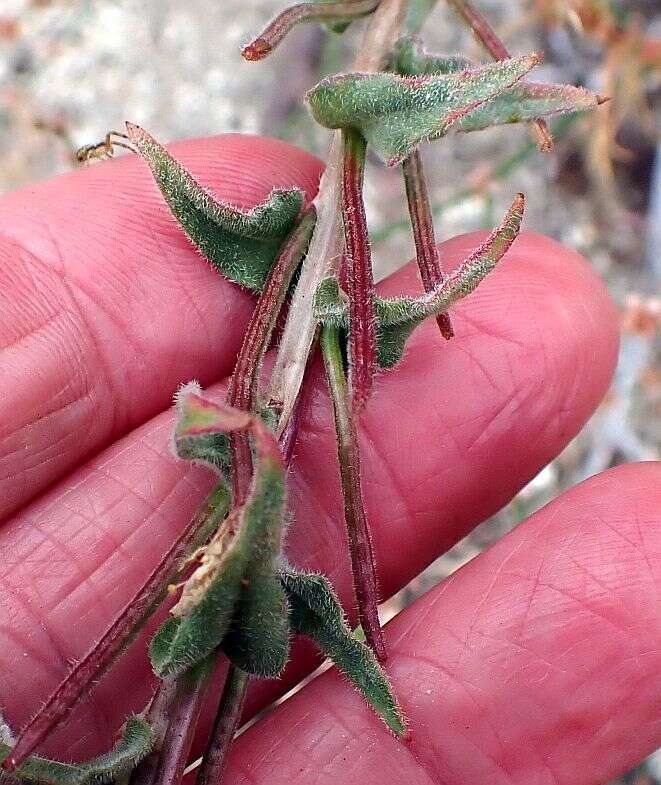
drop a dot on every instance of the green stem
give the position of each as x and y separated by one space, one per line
225 727
360 541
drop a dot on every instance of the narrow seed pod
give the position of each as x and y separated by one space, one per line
395 113
360 277
316 613
235 578
337 13
397 317
135 744
242 245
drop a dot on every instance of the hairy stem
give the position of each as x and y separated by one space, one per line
360 541
242 392
275 31
122 630
486 35
325 251
183 714
225 727
422 223
360 279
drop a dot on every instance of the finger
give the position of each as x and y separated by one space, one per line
105 306
537 662
468 423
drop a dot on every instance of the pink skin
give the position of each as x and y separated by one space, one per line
537 663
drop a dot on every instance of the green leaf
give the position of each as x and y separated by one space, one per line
316 613
523 102
395 113
235 583
209 448
397 317
240 244
410 58
135 744
258 640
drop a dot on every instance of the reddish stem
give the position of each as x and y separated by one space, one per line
486 35
348 451
120 633
422 223
166 765
276 30
225 726
360 281
242 392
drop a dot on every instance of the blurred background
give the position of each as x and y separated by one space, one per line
70 70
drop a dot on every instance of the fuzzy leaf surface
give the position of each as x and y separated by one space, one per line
242 245
234 586
395 113
135 744
397 317
316 613
523 102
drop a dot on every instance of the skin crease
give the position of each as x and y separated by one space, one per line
535 349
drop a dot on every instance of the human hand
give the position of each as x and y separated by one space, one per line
537 662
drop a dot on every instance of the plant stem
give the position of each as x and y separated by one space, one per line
422 223
360 280
486 35
360 542
167 765
325 251
158 717
225 727
121 632
242 392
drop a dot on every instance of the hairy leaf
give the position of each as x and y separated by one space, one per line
240 244
234 584
397 317
395 113
135 744
316 613
523 102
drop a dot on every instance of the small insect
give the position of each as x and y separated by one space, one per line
104 149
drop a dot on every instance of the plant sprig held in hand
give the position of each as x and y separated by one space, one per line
236 594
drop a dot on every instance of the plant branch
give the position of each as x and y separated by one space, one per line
170 759
360 541
225 727
422 224
325 251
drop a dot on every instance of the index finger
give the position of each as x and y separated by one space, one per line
105 307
